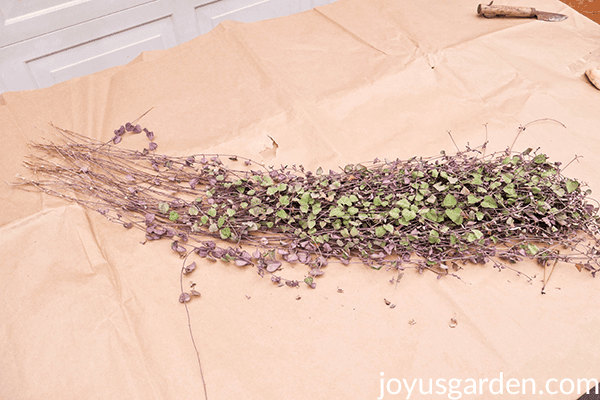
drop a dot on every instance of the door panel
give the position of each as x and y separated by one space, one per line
212 14
44 42
102 53
26 19
85 48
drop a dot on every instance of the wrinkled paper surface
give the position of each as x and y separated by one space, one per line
87 311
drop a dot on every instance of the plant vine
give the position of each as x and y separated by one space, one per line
436 213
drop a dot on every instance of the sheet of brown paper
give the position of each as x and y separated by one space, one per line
87 311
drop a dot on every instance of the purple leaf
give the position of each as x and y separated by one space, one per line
150 135
152 146
241 263
291 258
117 139
184 297
194 292
194 182
159 230
303 257
273 266
176 247
189 268
149 218
218 252
202 251
389 248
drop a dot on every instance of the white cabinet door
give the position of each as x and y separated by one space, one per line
43 42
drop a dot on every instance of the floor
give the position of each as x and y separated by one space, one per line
589 8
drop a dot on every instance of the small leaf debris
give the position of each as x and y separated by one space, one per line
389 303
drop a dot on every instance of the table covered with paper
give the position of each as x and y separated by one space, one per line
88 311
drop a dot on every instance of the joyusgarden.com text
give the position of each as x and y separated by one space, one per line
455 388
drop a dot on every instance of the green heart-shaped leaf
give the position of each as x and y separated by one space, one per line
455 215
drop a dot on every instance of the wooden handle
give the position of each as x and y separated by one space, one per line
505 11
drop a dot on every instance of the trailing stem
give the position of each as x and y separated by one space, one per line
437 213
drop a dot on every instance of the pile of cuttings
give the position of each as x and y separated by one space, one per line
433 213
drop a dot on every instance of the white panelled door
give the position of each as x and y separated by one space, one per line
43 42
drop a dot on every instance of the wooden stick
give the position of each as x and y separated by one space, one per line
505 11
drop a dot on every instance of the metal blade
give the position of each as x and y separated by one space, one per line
548 16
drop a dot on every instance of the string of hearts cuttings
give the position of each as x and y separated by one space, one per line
437 214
